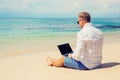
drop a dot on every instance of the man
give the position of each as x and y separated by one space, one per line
88 52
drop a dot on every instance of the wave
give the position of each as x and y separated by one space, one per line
107 26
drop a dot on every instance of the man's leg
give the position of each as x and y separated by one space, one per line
56 62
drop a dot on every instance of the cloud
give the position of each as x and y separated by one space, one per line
63 8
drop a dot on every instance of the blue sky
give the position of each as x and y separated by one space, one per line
58 8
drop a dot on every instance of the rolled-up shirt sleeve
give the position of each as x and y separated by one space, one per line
78 50
80 47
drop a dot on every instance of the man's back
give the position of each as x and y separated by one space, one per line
91 40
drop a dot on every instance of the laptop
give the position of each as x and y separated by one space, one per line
65 49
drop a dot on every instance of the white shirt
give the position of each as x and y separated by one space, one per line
89 46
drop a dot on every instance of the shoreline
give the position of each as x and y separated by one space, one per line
37 45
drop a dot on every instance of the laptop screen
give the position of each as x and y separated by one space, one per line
65 48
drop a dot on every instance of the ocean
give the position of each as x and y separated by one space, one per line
19 36
43 28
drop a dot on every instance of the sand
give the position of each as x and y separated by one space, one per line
32 66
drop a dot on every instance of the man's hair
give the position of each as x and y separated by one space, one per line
85 16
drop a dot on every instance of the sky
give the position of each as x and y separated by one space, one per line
58 8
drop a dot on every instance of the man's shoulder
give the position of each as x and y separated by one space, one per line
92 29
89 33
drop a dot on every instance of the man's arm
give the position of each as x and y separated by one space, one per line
79 49
70 55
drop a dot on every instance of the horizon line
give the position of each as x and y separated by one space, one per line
53 18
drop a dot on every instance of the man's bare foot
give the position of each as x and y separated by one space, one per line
49 61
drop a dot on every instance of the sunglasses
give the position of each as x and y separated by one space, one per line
77 22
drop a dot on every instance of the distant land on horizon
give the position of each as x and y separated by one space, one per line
54 18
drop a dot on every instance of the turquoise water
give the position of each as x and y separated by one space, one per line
50 27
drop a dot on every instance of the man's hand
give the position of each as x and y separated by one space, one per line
70 55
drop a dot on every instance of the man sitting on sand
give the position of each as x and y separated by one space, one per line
88 52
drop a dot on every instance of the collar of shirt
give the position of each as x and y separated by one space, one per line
87 25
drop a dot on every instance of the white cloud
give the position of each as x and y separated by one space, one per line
63 7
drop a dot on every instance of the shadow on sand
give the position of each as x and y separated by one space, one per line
108 65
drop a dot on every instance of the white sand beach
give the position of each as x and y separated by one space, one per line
32 65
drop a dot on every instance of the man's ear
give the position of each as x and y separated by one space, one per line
82 23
